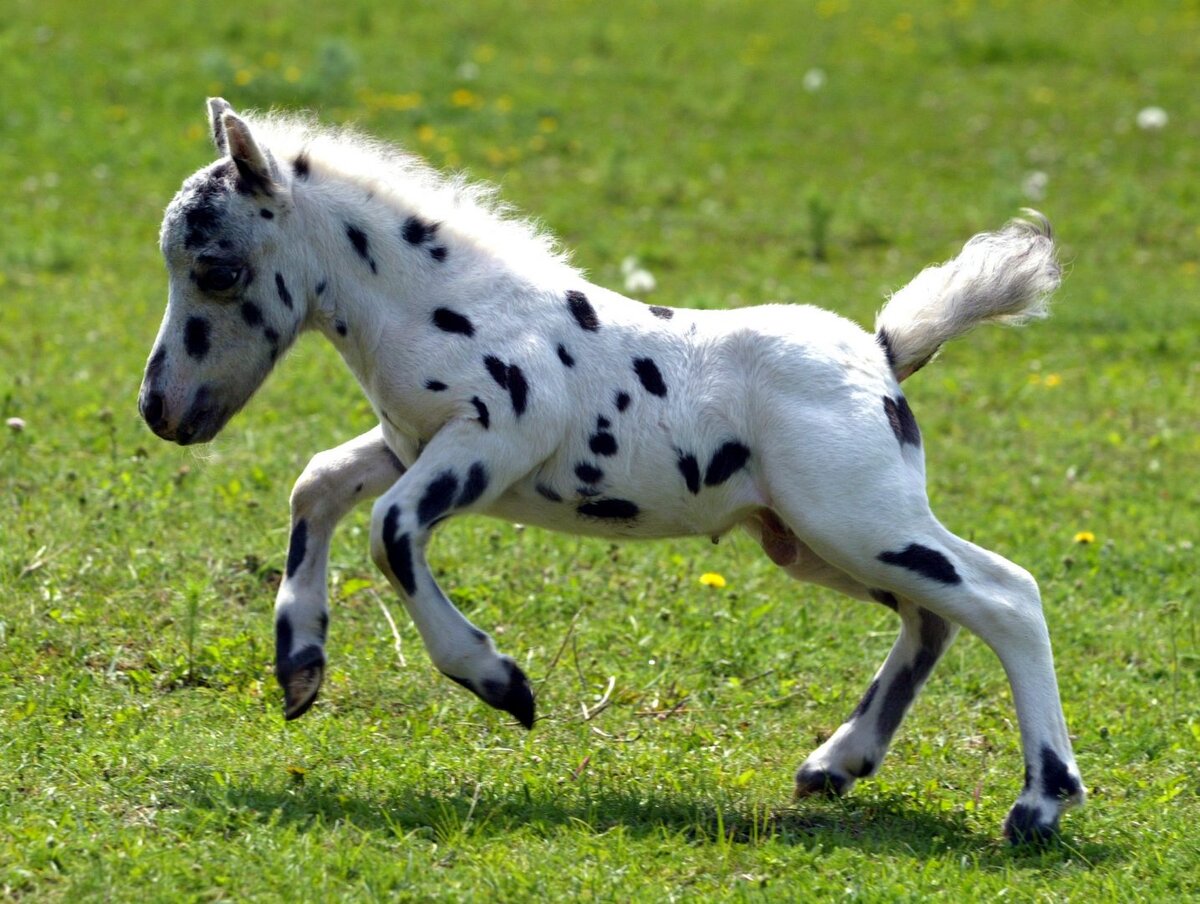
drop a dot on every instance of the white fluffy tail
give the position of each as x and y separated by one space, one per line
1004 276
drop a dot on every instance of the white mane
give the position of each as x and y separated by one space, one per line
348 157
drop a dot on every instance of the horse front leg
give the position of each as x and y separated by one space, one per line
332 484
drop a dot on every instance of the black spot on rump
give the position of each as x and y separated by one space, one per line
924 561
565 357
417 232
902 420
435 386
475 486
518 389
498 370
452 322
196 337
614 509
485 417
726 461
647 372
281 287
588 473
622 401
399 551
661 312
690 469
439 495
582 310
297 547
603 444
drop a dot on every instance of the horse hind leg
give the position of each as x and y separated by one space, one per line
858 746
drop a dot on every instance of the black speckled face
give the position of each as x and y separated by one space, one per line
233 304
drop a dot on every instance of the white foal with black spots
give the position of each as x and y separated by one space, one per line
506 384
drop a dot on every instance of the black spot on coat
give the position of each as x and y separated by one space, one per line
266 214
615 509
485 417
297 547
340 326
417 232
452 322
300 166
435 386
1057 782
439 496
603 444
924 561
726 461
475 486
281 287
565 357
518 389
651 379
661 312
438 253
251 313
399 551
283 639
865 703
885 342
690 469
498 370
588 473
902 421
195 337
358 239
582 311
622 401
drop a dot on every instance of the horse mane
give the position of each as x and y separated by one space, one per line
346 156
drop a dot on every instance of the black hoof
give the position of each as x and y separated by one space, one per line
300 677
514 695
811 782
1024 825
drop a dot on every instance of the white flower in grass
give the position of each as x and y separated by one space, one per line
814 80
1151 119
638 280
1033 186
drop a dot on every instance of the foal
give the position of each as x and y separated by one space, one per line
507 384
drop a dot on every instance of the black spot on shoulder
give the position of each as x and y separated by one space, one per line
195 337
547 493
518 389
435 386
690 469
565 357
498 369
297 547
439 495
399 551
726 461
651 379
358 239
251 313
300 166
321 288
485 418
588 472
902 421
622 401
340 326
417 232
266 214
438 253
582 311
603 444
281 287
475 486
614 509
452 322
662 313
924 561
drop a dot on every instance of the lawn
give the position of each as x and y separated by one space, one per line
742 153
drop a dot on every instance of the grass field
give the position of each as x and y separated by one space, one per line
742 152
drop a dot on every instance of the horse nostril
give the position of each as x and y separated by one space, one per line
152 410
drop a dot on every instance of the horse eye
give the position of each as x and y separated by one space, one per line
218 279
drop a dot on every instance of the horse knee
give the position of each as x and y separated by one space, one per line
316 489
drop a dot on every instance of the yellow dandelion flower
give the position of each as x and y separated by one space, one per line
426 134
243 77
1085 536
1053 380
504 103
292 74
548 124
464 97
270 59
712 579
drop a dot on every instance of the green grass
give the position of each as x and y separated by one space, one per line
142 754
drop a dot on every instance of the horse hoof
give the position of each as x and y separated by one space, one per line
301 681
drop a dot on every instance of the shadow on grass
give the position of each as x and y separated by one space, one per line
883 823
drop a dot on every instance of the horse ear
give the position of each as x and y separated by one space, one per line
216 107
255 166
